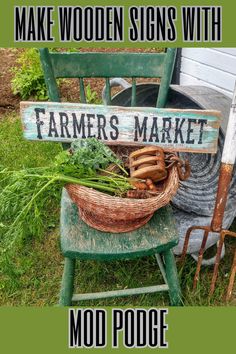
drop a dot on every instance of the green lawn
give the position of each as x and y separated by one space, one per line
33 276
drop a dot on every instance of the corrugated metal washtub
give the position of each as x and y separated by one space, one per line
194 202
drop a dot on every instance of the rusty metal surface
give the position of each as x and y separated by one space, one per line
232 278
217 262
185 220
206 230
223 235
220 246
221 198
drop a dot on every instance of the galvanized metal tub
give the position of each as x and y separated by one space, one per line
194 202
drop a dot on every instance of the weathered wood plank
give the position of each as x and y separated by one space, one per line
188 80
179 130
214 76
211 58
107 64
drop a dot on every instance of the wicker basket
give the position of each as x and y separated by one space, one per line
114 214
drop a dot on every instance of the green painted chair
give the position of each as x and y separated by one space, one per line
79 241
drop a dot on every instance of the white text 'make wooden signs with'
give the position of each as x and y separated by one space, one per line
179 130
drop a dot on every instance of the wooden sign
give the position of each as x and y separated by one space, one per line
179 130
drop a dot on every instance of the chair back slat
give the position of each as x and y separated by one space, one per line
133 95
166 79
71 65
82 90
108 91
50 80
108 65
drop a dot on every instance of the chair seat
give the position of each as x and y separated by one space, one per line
78 240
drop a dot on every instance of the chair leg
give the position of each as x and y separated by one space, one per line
67 285
172 278
161 266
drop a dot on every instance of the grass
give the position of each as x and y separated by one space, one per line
15 152
34 277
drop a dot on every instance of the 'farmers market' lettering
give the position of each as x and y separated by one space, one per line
174 129
145 129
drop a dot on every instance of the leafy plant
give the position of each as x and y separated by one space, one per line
69 50
28 77
25 193
91 96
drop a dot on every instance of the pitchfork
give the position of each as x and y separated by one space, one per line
226 170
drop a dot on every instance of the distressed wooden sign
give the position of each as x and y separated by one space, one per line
179 130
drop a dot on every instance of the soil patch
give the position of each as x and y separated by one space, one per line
69 88
8 101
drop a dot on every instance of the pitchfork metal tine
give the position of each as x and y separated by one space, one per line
185 246
186 240
231 280
223 234
217 262
200 256
201 251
